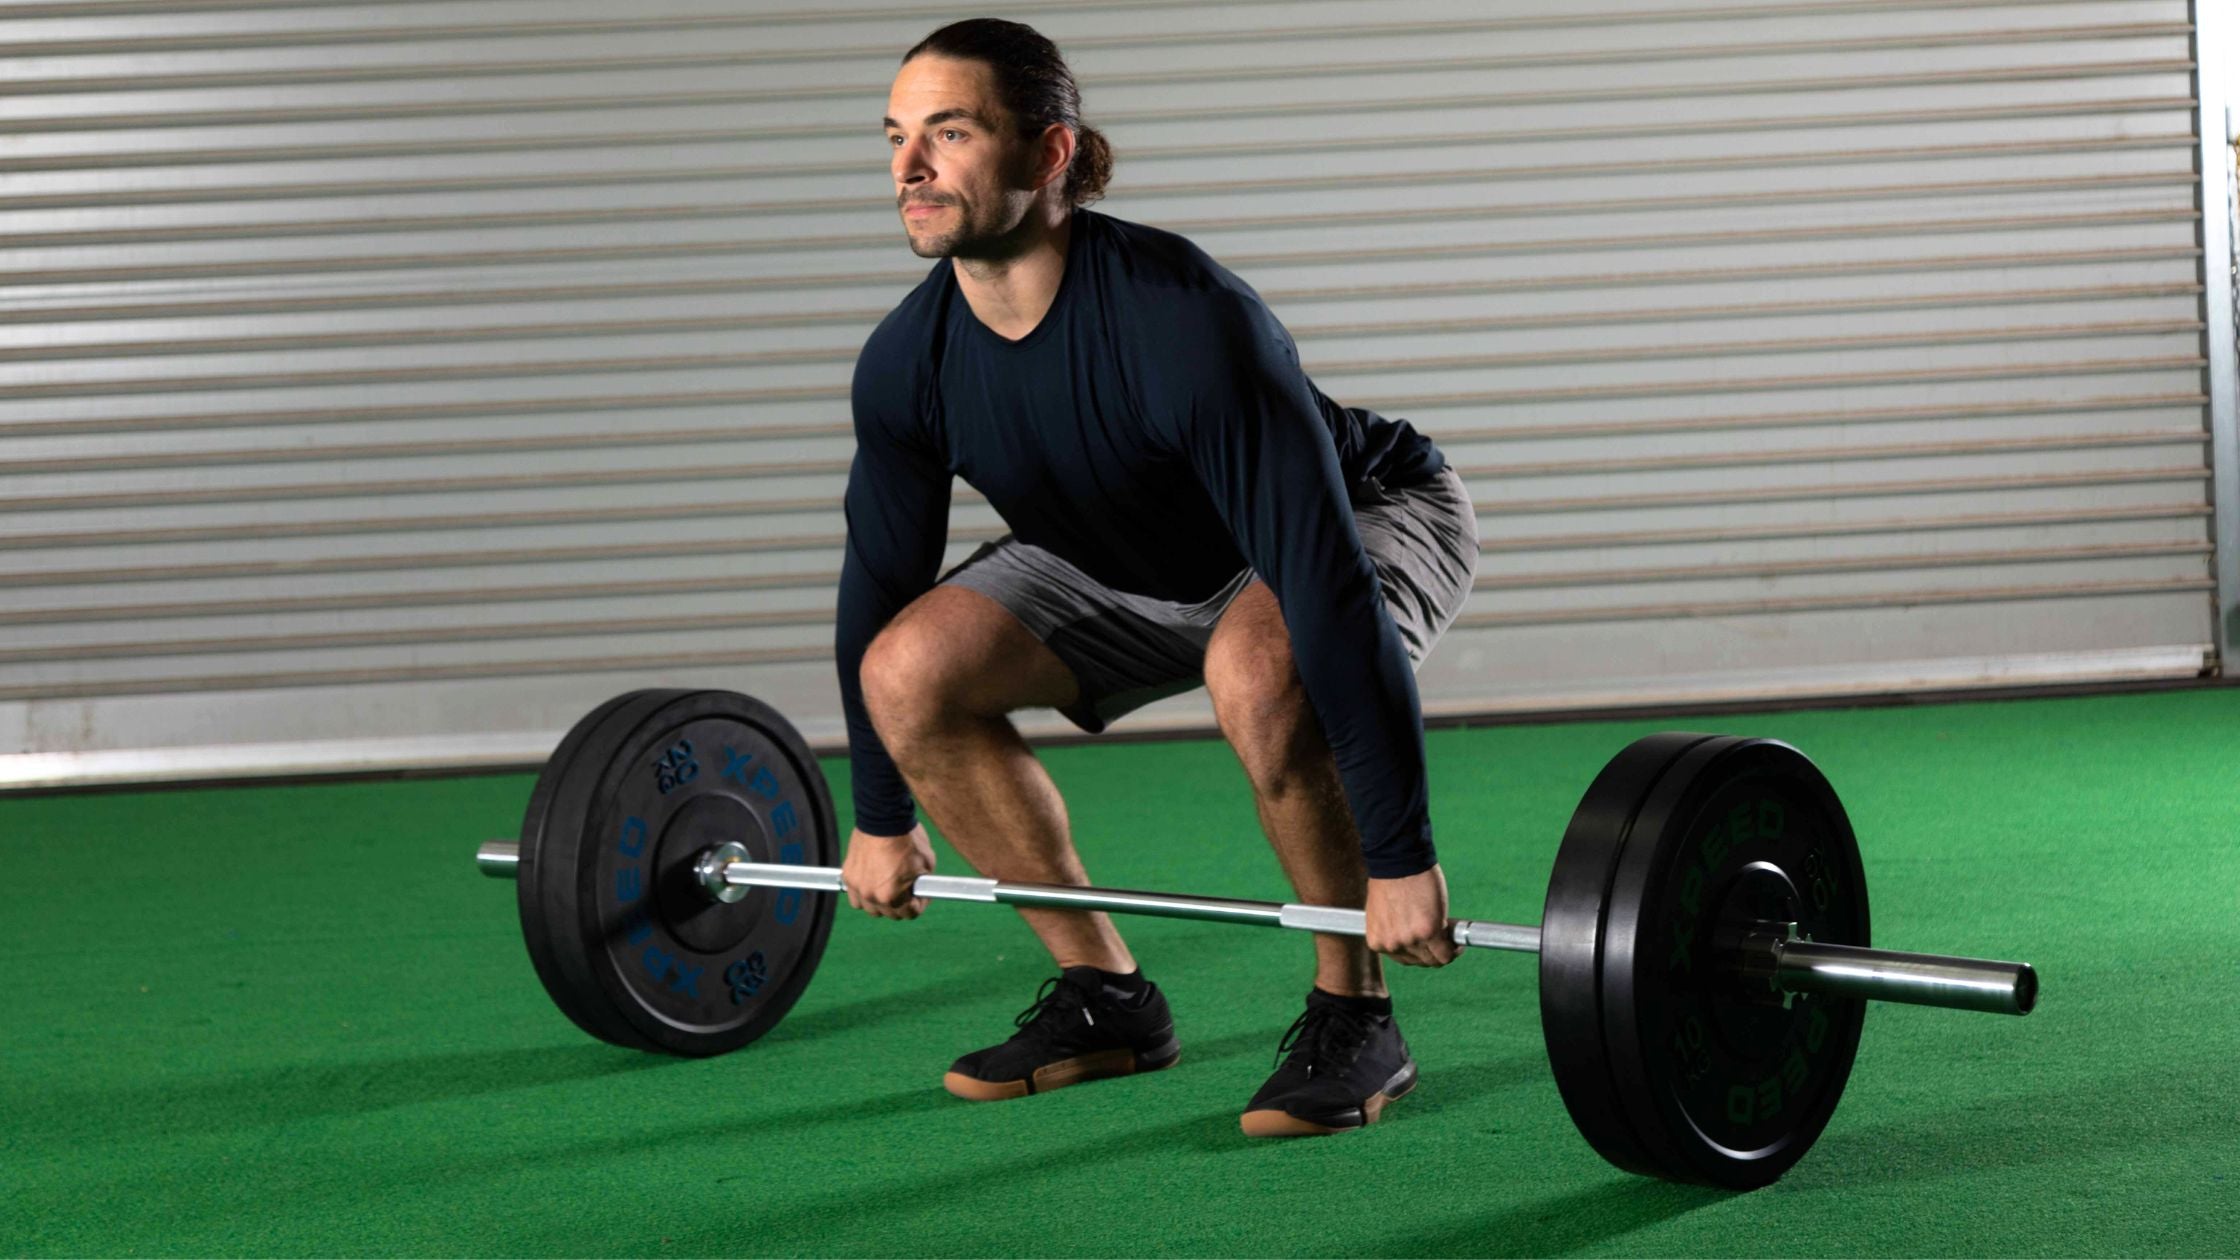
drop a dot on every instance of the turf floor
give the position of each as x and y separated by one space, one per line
292 1020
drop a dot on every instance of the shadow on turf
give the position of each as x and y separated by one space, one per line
2053 1125
1568 1222
1564 1224
806 1223
2015 1131
175 1106
181 1105
814 1020
753 1124
1211 1133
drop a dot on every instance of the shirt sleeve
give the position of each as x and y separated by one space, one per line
898 523
1250 427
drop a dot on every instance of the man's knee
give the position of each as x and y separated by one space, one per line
903 681
1256 690
1262 708
954 654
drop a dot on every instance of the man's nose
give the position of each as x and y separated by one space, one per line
910 164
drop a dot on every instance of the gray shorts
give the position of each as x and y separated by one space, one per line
1129 650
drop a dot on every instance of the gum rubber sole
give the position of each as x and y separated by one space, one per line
1074 1071
1269 1122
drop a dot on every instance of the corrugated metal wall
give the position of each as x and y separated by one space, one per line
387 383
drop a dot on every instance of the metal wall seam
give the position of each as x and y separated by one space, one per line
1044 8
526 667
1841 418
1232 72
1751 458
479 596
2217 52
1731 496
110 500
489 596
1845 380
838 393
422 636
676 23
271 531
1855 565
844 356
411 562
444 522
861 322
1519 544
1759 457
824 581
968 498
820 618
619 215
368 301
1323 104
1835 603
188 195
494 595
1486 507
1810 530
129 159
1408 253
559 442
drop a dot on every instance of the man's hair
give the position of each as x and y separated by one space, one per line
1036 88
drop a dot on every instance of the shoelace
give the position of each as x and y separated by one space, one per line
1044 1017
1329 1037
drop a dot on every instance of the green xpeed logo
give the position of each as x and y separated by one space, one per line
1748 1102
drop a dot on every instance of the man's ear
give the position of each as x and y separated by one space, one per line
1053 154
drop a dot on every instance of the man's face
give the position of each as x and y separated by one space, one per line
963 177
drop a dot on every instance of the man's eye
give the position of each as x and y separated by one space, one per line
950 131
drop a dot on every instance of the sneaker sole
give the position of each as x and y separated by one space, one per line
1074 1071
1272 1123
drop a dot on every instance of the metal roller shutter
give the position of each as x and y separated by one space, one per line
384 384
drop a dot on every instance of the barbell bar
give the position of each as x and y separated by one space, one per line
1794 965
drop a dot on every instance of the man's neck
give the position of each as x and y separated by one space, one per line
1012 295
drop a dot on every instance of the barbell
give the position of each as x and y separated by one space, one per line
1704 957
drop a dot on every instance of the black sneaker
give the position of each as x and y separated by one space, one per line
1345 1064
1077 1030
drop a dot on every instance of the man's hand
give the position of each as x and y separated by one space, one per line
1407 919
879 871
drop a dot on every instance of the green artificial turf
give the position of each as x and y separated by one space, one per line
293 1020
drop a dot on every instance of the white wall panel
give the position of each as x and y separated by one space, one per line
384 384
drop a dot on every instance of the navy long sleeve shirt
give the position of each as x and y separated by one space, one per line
1157 431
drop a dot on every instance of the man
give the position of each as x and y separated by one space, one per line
1186 508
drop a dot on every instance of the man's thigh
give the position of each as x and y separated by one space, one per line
1127 650
1124 650
970 651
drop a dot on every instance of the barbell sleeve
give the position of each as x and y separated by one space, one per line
499 859
1796 966
1966 984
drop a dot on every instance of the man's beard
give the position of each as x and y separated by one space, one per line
969 239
